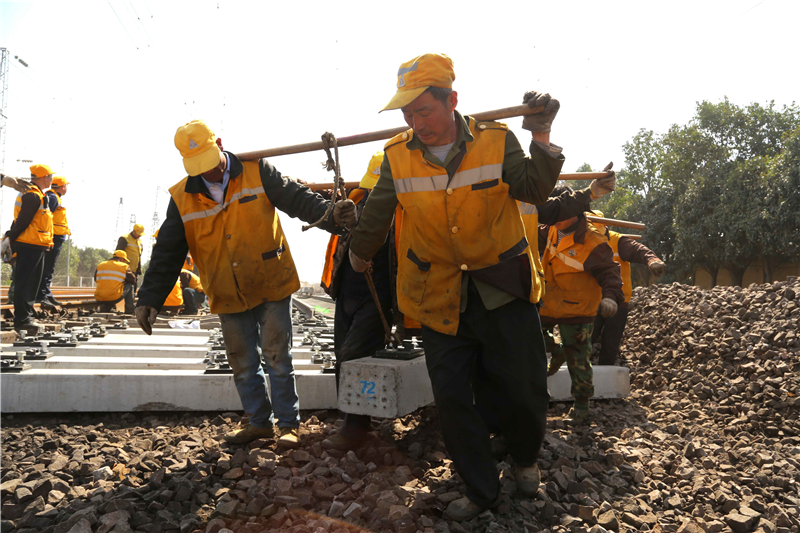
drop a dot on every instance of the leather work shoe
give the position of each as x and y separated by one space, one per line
248 433
289 437
555 364
462 510
576 417
51 300
31 327
343 443
528 479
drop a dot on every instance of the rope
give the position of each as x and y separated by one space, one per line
328 140
388 338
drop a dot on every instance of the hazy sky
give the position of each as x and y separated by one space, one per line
109 82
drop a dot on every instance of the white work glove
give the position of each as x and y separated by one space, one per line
5 250
607 308
656 267
18 184
344 213
602 186
358 264
146 317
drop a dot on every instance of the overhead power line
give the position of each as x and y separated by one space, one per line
121 24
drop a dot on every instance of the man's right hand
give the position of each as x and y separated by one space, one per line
146 317
607 308
540 122
602 186
18 184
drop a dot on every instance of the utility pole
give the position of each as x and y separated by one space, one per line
4 60
156 221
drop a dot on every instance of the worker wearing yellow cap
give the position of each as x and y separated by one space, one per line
31 236
114 280
132 245
60 233
225 213
465 267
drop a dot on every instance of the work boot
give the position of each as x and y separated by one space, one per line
462 510
31 327
528 479
343 443
248 433
52 300
289 437
577 416
555 363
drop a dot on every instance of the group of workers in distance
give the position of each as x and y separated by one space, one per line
33 243
451 217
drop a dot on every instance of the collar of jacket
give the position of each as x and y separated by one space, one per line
580 232
463 134
195 183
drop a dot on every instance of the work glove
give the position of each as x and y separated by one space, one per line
540 122
607 308
146 317
656 267
5 250
344 213
602 186
358 264
18 184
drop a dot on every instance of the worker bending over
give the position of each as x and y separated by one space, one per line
192 290
115 281
30 237
608 331
465 267
133 247
582 280
224 212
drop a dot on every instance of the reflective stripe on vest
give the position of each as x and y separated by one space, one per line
60 226
467 224
238 246
134 251
40 231
111 276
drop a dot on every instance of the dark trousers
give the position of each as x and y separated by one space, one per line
357 333
127 295
191 300
608 332
50 259
496 364
27 276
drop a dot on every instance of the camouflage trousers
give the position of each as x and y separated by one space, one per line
575 348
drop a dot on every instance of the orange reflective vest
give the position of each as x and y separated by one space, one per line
453 225
60 226
194 280
188 264
40 231
110 277
133 250
624 266
238 246
175 298
571 292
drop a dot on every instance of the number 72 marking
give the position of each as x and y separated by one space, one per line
368 387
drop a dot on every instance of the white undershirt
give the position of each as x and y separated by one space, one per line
440 152
217 190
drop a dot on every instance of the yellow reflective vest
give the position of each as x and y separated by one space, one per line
238 246
110 279
530 219
40 231
60 226
453 225
624 266
133 250
570 291
175 298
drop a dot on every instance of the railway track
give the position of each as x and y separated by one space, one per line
68 296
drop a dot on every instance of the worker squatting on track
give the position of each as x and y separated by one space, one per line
224 212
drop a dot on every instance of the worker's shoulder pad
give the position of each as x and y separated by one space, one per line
490 125
399 138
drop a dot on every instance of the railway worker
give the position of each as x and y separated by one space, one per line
31 236
192 290
608 331
582 280
115 281
60 234
358 330
224 212
133 247
465 266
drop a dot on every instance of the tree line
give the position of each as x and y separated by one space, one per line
722 191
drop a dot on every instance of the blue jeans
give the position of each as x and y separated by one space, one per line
267 329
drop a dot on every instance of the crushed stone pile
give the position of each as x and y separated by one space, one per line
708 442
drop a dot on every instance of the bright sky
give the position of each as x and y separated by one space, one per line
109 82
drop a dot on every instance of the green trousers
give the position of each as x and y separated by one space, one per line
575 348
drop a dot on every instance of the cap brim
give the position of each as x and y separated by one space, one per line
403 98
204 162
